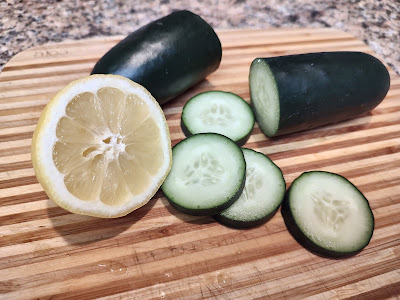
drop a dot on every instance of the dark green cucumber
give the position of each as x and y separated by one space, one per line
327 214
167 56
220 112
262 195
299 92
207 175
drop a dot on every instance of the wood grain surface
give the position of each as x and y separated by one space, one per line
158 253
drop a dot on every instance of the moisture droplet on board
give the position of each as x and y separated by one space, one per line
224 280
114 267
396 251
42 249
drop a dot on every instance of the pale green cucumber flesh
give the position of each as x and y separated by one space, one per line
262 195
219 112
207 174
264 97
328 214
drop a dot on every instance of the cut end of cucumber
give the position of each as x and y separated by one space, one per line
264 97
331 212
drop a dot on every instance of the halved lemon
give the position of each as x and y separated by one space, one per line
102 146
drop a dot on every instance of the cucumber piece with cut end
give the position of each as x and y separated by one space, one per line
299 92
166 56
207 174
327 214
219 112
262 195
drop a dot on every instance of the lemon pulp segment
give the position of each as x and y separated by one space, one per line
108 146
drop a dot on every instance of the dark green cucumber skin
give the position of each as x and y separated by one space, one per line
316 89
244 224
302 239
209 211
187 132
253 223
239 142
167 56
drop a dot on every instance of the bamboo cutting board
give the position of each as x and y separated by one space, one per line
158 253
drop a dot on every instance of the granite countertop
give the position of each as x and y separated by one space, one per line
25 23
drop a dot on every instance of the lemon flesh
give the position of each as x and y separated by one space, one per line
102 146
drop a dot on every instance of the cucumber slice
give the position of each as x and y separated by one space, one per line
262 195
207 174
219 112
299 92
327 214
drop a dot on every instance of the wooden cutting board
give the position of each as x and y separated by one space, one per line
158 253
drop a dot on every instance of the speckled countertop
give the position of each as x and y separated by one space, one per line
26 23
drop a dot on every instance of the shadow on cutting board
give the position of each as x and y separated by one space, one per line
331 137
81 230
179 101
199 220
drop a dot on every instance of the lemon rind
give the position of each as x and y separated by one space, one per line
44 138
